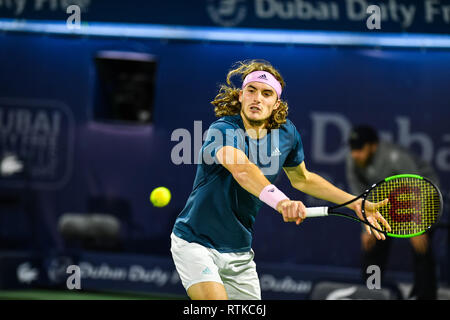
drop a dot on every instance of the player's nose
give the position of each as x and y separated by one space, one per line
257 97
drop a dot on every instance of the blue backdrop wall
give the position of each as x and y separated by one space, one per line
47 90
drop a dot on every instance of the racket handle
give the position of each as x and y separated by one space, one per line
316 212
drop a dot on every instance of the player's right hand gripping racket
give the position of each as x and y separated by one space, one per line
415 204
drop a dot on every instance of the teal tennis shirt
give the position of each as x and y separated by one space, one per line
219 213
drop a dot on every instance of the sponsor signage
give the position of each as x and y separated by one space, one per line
426 16
150 274
36 143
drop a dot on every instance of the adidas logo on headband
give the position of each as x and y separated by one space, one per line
265 77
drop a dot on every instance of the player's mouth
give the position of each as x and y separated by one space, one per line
255 108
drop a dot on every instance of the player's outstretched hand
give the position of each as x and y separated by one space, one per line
292 211
373 216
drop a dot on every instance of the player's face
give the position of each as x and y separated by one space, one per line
363 155
258 101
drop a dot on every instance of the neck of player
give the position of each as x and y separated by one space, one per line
254 129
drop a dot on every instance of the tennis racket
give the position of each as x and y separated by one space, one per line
415 205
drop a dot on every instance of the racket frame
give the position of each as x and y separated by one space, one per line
366 193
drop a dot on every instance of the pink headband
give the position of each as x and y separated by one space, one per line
263 77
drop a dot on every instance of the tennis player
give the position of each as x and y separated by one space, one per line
212 236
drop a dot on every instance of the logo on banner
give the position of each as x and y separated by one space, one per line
56 269
36 143
26 273
227 13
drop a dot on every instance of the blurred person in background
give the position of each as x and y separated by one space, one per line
371 160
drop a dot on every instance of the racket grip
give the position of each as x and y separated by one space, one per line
316 212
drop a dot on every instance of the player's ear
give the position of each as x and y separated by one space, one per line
277 104
240 96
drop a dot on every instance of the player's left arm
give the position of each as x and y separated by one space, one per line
318 187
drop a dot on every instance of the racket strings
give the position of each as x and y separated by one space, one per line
414 204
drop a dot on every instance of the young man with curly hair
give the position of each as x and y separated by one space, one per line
243 153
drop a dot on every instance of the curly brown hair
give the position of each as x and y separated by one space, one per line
226 102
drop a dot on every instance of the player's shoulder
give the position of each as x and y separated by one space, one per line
232 122
289 127
288 124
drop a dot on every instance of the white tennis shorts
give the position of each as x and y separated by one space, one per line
236 271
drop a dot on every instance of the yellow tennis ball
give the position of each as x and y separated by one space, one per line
160 197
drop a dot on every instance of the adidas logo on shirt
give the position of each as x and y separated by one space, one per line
276 152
